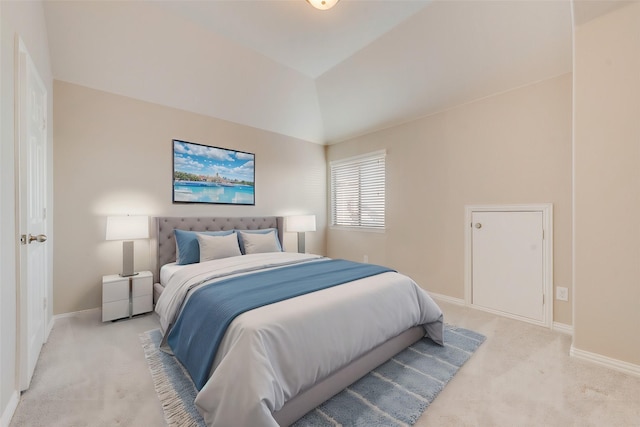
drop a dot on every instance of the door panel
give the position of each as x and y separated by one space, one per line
507 262
32 195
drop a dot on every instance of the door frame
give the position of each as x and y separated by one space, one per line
547 256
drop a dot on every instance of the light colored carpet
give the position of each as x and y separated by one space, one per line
394 394
94 374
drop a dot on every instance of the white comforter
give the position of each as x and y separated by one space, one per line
270 354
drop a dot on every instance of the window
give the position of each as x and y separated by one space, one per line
357 191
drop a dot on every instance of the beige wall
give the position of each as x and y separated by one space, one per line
26 20
513 147
113 156
607 185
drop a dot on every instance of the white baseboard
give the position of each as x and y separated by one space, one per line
560 327
563 328
8 412
64 315
74 313
48 329
607 362
446 298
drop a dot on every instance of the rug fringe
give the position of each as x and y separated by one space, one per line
173 407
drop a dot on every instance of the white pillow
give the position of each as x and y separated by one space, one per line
216 247
257 243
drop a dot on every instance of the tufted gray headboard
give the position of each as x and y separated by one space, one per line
165 244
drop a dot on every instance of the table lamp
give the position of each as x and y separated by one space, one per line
301 224
127 229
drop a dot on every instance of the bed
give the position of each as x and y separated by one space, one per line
276 362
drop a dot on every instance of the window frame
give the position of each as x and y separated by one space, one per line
356 161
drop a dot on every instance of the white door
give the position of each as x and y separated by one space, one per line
507 263
32 201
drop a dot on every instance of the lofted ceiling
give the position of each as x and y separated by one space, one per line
320 76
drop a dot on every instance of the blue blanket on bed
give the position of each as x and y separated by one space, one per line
197 333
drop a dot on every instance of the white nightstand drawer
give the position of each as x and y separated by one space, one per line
141 304
142 293
115 288
115 310
142 284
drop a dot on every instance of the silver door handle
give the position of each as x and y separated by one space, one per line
39 238
478 225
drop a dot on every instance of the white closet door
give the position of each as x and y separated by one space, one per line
507 262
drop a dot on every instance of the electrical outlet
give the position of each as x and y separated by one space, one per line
562 293
365 259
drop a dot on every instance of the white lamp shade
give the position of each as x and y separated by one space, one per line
322 5
301 223
127 227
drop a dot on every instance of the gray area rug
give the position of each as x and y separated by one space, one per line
394 394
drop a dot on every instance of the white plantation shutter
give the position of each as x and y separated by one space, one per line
358 191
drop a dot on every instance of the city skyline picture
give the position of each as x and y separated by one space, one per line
208 174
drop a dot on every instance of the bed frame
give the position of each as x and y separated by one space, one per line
307 400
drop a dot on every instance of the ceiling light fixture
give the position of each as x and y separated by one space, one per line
323 4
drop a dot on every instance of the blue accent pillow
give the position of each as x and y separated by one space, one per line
187 246
263 231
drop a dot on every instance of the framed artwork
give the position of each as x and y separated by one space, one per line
205 174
